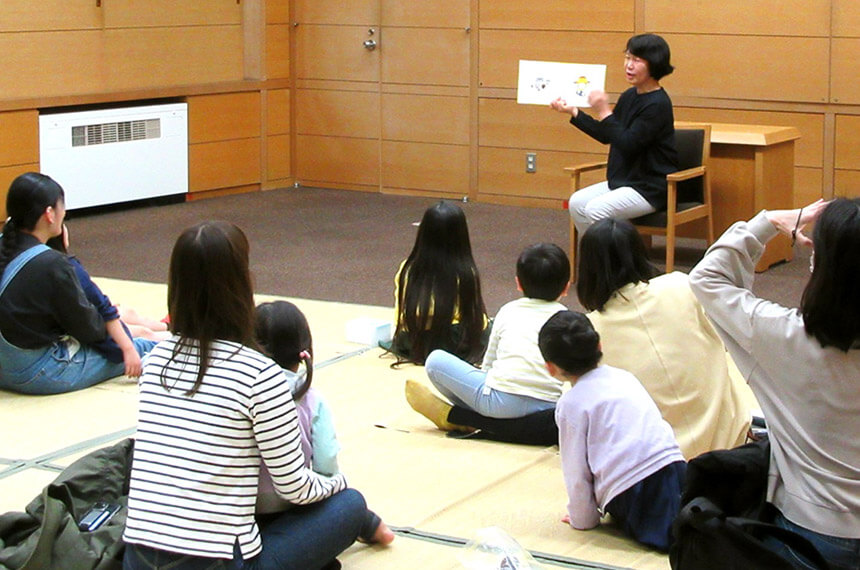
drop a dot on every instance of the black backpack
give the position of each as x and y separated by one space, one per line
724 517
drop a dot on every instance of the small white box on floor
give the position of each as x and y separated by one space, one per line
366 330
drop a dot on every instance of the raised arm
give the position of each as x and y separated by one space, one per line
723 280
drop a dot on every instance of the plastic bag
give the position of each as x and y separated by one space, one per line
494 549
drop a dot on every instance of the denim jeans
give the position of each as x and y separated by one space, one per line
53 370
463 384
840 553
597 202
304 537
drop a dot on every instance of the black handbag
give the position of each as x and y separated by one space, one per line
724 518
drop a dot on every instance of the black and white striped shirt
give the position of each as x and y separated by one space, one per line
197 459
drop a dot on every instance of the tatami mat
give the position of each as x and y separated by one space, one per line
411 474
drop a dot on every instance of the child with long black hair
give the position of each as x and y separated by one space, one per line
284 334
437 295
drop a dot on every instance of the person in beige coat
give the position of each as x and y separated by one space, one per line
658 331
652 326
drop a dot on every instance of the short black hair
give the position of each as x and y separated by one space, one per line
543 270
831 301
653 49
611 255
569 341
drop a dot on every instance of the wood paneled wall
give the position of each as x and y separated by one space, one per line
776 62
19 149
396 118
433 109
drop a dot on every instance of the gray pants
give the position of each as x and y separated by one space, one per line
597 202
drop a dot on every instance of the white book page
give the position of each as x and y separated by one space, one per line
541 82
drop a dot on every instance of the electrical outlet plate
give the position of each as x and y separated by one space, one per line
531 162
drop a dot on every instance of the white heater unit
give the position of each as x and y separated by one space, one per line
107 156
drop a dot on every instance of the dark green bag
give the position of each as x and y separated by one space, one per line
46 535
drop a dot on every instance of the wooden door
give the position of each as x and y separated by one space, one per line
394 118
337 94
426 105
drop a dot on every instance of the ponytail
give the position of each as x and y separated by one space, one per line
8 243
308 359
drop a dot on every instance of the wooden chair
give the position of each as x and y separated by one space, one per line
689 192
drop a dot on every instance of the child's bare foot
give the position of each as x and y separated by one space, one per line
147 333
132 317
383 534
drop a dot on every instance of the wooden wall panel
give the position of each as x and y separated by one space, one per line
749 67
19 138
277 11
160 57
440 13
223 117
52 63
847 154
223 164
738 17
607 15
335 52
337 160
49 15
163 13
808 186
843 71
7 175
425 56
846 18
846 184
421 166
504 123
277 51
337 113
501 171
364 12
278 157
808 149
278 111
500 52
425 118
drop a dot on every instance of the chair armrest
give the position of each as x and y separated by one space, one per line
685 174
586 167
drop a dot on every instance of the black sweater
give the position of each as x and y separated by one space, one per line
640 133
44 302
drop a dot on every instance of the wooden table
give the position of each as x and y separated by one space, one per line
752 167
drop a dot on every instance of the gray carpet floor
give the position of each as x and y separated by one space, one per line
346 246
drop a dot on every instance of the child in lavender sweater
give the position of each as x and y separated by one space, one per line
618 455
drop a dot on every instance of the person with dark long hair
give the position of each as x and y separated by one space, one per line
48 328
640 132
512 381
437 295
652 326
212 410
803 366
